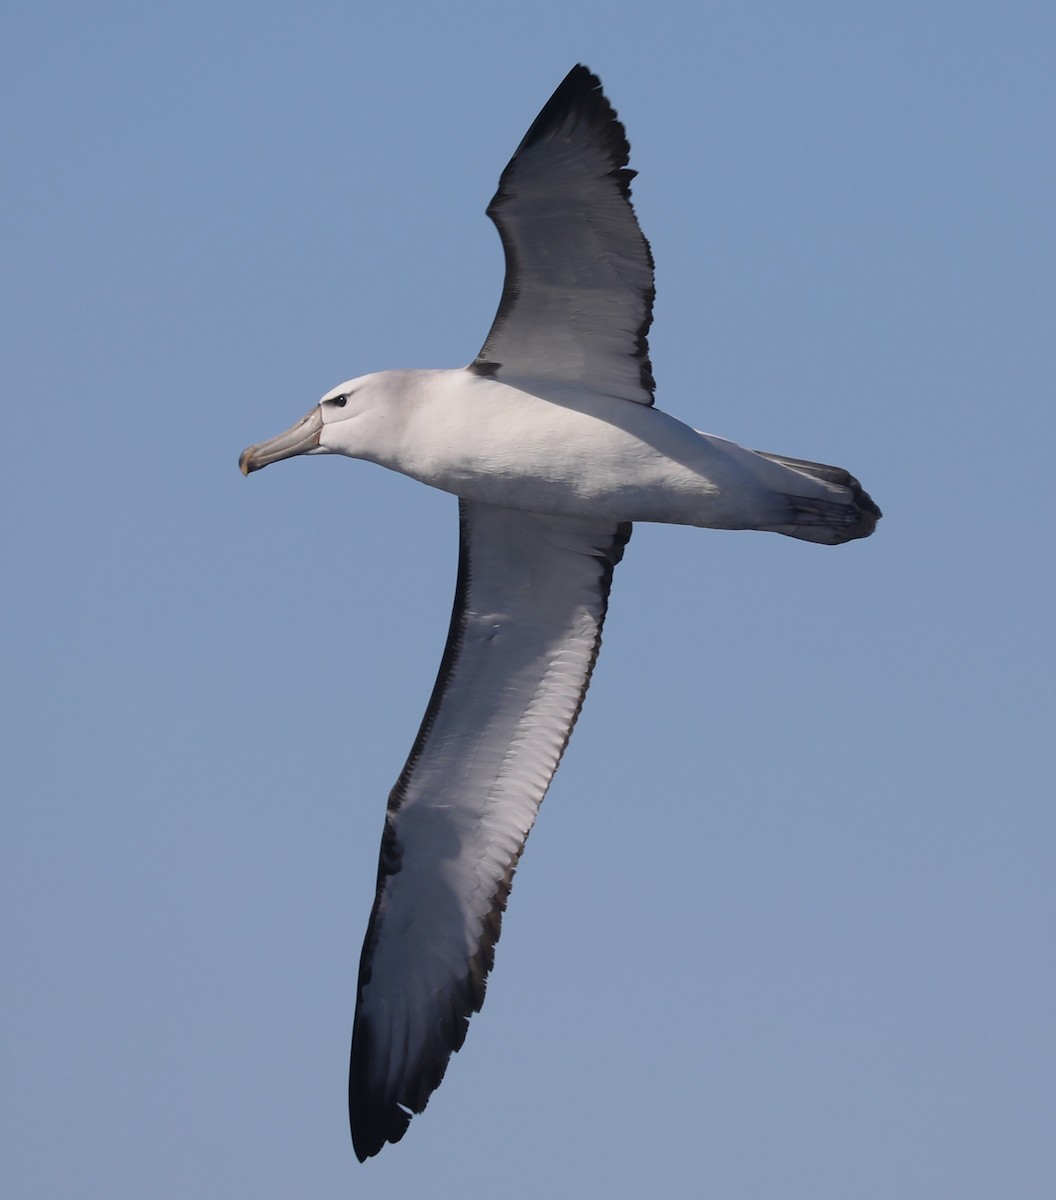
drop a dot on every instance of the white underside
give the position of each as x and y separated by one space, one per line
568 452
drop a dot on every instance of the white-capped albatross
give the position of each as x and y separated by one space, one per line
551 444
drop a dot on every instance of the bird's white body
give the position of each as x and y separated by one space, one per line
563 451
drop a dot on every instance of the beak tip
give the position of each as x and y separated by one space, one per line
245 461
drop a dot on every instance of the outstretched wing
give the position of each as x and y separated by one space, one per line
530 602
578 298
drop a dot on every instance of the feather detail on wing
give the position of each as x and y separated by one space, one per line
525 632
578 297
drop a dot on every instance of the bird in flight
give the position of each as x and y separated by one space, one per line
551 443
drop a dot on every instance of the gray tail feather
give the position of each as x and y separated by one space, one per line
828 521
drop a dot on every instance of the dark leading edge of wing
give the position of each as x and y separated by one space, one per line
525 632
577 301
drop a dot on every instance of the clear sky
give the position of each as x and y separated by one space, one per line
785 925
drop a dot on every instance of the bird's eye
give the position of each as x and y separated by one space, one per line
339 401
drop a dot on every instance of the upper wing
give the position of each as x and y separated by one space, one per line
578 298
531 598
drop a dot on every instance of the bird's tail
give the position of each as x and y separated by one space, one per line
830 520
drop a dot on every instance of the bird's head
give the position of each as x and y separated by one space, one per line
341 423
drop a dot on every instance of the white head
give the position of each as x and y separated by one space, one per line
350 419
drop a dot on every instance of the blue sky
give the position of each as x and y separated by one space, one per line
784 926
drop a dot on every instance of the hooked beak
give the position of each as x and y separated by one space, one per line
301 439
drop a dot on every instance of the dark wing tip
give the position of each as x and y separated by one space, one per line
374 1118
579 98
380 1104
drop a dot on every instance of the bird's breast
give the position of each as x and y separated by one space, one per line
576 455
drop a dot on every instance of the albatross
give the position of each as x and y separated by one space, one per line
551 443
